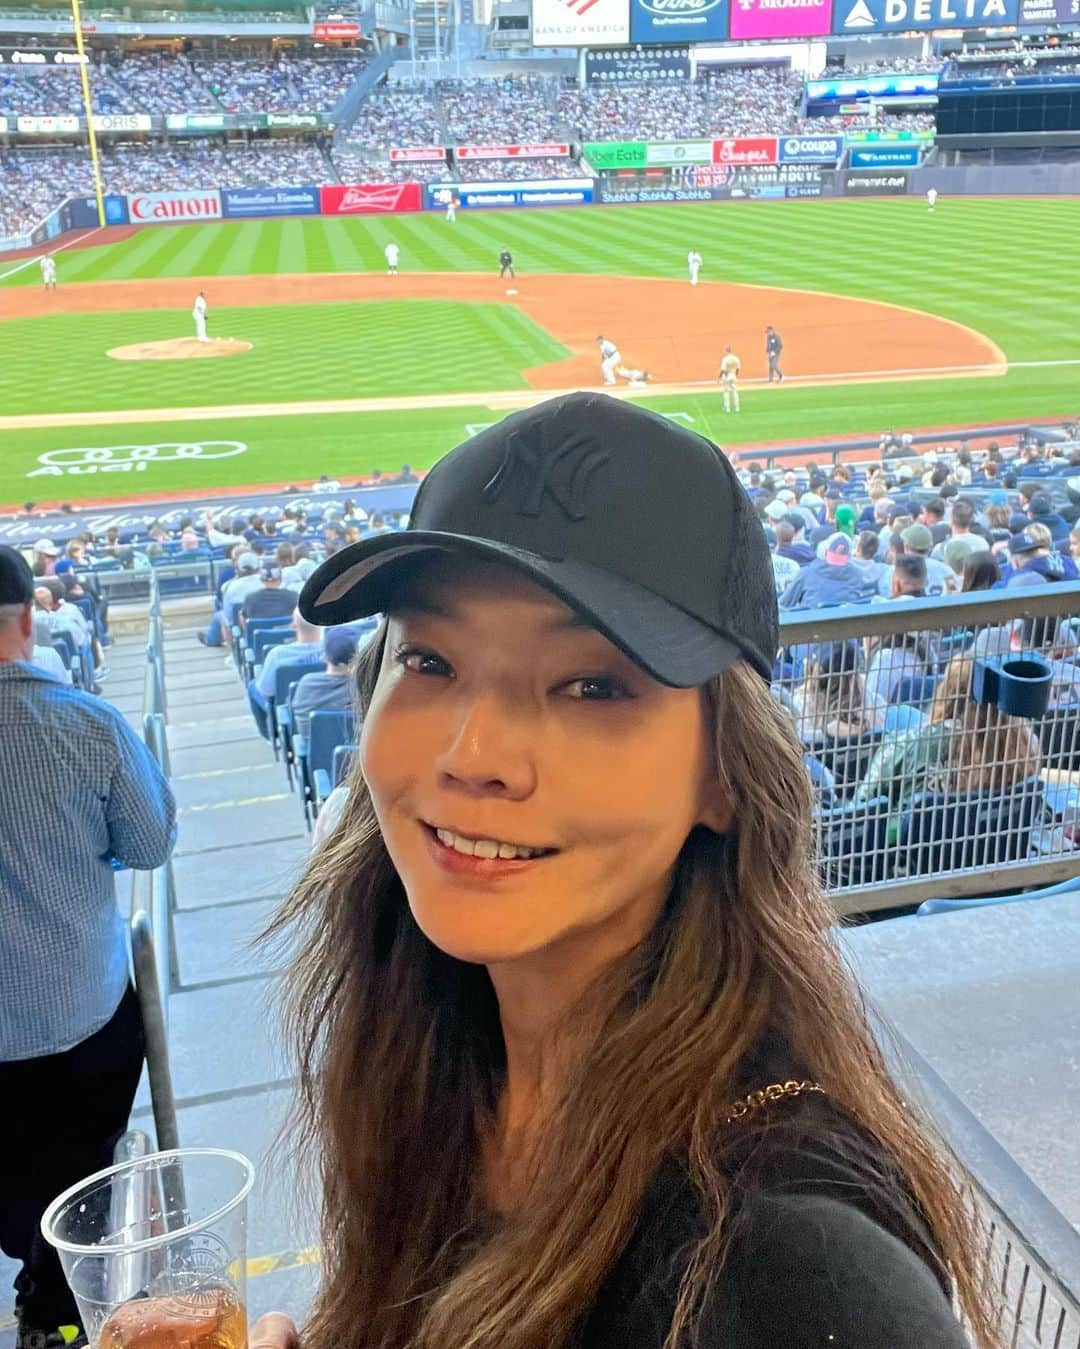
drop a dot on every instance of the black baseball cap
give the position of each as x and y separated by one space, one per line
638 524
16 578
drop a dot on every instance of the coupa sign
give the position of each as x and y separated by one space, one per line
162 208
130 458
811 149
678 20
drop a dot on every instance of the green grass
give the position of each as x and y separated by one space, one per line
994 265
58 363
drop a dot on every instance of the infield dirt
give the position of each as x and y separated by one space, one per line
676 331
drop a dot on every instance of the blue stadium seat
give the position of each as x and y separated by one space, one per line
916 690
343 755
853 843
901 717
242 635
282 730
315 753
946 832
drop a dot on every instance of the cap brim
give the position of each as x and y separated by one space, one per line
673 646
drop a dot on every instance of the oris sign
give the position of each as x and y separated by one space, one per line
166 208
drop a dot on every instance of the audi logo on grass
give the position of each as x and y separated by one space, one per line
130 458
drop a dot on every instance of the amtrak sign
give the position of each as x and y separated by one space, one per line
903 16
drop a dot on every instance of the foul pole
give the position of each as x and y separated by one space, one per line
84 74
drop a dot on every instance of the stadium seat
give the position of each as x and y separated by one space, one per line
853 843
847 758
282 730
1059 735
241 635
915 690
948 832
261 643
315 752
932 906
900 717
342 763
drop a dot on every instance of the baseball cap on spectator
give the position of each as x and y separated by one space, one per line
845 520
835 550
1040 505
1024 542
958 550
339 645
247 562
47 547
918 538
795 520
16 578
776 510
1018 522
270 572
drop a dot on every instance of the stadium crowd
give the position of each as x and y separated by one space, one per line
354 165
491 112
287 84
396 117
516 170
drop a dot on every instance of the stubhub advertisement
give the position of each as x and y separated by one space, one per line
781 18
811 149
540 192
678 20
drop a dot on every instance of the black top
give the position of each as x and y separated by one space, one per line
505 258
823 1254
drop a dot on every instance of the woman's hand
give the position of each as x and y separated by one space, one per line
274 1331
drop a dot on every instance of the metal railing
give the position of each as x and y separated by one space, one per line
1034 1251
921 788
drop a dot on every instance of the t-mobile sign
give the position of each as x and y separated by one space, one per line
780 18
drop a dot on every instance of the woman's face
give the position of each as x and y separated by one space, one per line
498 716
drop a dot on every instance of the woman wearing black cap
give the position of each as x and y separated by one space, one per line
578 1060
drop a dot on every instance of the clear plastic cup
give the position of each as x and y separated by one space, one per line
155 1250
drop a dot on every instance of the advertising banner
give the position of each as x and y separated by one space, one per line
580 23
1040 12
195 121
885 157
116 210
745 150
511 151
718 182
811 149
294 119
33 56
678 20
781 18
371 198
625 64
889 137
9 242
160 208
901 16
542 192
64 124
615 154
664 154
336 32
876 184
873 86
121 121
418 154
238 202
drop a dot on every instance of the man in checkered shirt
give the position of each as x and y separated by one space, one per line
78 792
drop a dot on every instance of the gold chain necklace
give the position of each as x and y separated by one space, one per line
774 1092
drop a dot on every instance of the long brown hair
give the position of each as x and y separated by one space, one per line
401 1058
985 750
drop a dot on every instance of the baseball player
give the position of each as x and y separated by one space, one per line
392 253
198 313
451 208
48 271
931 198
730 366
611 365
693 262
506 264
773 347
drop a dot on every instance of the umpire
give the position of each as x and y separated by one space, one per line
506 264
773 347
78 791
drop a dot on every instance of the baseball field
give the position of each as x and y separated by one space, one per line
891 316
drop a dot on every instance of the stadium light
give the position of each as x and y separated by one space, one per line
84 75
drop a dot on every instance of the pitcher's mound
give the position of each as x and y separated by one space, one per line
180 349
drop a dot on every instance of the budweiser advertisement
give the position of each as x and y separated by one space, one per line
371 198
780 18
580 23
418 154
336 32
745 150
512 151
159 208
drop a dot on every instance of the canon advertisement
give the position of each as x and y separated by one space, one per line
166 208
678 20
780 18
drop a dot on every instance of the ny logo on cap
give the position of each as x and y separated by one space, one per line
536 466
